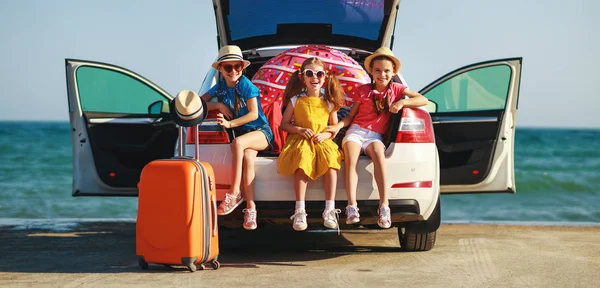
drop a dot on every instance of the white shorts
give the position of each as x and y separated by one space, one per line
361 136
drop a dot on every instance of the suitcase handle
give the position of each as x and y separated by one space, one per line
196 144
213 202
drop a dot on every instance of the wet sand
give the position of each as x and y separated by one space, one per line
101 254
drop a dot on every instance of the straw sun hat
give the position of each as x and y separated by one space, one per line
188 109
230 53
383 51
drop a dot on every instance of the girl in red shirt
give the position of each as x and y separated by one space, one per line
370 117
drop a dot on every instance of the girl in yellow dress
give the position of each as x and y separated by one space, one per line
309 152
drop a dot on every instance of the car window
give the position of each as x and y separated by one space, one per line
209 81
356 18
103 90
479 89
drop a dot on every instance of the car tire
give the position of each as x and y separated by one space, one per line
416 241
420 236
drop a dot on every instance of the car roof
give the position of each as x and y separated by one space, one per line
360 24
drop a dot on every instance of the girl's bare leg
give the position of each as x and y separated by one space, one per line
330 214
299 222
245 148
249 175
351 154
376 151
254 140
300 184
330 181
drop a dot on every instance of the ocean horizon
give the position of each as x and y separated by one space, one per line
557 171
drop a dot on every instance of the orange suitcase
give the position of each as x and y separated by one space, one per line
177 213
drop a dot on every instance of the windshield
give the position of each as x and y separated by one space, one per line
359 24
354 18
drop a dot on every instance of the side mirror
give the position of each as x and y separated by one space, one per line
158 107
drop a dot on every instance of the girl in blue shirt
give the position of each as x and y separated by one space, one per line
239 108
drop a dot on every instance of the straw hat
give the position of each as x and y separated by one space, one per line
188 109
383 51
230 53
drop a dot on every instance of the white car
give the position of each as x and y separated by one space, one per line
461 143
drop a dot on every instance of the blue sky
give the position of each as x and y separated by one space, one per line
172 43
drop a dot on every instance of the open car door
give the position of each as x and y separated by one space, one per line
119 123
473 110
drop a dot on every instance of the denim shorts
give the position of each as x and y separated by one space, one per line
265 129
361 136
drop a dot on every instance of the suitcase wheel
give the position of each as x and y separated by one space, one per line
215 264
192 267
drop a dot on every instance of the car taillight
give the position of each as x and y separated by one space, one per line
210 131
207 137
415 127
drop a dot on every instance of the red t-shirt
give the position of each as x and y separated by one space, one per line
367 117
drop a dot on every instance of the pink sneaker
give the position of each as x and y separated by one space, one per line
385 220
249 219
352 216
229 203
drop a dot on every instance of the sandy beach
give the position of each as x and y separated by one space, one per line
101 254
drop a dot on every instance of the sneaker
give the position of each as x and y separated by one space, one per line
352 216
249 219
385 220
330 218
299 219
229 204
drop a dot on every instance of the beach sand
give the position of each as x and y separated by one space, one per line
101 254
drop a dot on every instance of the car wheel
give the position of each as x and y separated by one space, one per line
420 236
416 241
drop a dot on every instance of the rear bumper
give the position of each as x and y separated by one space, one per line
279 212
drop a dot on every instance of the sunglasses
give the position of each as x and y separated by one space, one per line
228 67
310 73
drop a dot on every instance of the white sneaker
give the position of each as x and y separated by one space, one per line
385 220
330 218
352 216
299 219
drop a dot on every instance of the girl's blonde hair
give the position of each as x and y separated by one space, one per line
334 93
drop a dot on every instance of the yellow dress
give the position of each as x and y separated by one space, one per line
300 153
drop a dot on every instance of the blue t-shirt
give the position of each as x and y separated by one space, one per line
245 90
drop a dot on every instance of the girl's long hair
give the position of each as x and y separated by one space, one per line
334 93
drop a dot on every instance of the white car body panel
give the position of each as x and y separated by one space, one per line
405 162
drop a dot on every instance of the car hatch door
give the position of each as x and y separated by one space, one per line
119 122
473 110
365 25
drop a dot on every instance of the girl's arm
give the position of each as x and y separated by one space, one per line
287 126
415 99
333 118
216 106
320 137
334 128
252 115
